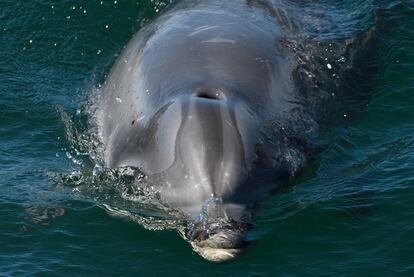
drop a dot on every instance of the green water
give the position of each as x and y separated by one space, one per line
349 214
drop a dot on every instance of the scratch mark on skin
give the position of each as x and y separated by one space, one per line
202 29
219 40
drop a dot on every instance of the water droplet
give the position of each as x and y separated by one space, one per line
329 66
342 59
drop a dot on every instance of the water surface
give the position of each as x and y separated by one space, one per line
349 214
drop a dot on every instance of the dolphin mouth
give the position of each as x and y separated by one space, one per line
218 232
220 247
218 241
217 255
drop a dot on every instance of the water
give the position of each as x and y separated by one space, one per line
349 214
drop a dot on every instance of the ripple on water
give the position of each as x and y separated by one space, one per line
349 214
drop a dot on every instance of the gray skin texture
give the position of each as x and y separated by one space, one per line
205 101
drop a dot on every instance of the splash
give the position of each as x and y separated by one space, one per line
122 192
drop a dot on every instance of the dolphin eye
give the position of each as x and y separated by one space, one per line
210 93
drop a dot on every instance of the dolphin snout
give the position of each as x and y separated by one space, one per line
218 241
216 235
220 234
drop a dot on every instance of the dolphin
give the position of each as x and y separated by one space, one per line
218 103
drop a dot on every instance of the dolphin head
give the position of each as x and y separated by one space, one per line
204 119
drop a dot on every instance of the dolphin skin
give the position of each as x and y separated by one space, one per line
219 104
